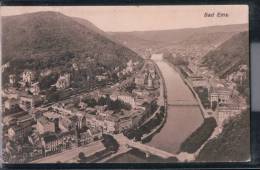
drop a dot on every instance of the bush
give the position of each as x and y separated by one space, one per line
197 138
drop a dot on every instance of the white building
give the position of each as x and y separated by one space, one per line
225 113
35 89
12 79
28 76
127 99
63 82
220 95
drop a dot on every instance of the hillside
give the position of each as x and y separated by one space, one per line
51 39
233 144
204 37
89 25
229 55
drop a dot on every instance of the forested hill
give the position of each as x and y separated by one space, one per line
202 39
229 55
51 39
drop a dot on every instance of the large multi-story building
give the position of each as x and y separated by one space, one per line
29 101
220 95
56 142
45 125
22 128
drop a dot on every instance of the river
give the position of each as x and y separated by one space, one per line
181 120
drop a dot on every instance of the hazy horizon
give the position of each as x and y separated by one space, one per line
143 18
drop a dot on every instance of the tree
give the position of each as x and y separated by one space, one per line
214 105
46 82
82 157
110 143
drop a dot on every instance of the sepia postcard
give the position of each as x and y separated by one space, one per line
125 84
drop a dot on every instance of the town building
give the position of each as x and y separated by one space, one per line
45 125
220 95
63 82
150 82
45 72
101 77
118 122
127 99
12 79
226 112
199 81
11 93
19 131
28 102
129 67
28 76
56 142
25 120
11 104
139 80
85 137
35 88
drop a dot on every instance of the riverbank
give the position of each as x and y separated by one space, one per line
163 94
174 131
202 109
204 114
147 137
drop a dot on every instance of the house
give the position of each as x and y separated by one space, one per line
28 76
35 88
63 81
12 79
139 92
11 93
11 104
101 77
150 82
110 124
129 67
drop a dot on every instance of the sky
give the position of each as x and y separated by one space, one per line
140 18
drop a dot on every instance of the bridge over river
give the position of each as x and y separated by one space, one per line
183 103
181 121
124 141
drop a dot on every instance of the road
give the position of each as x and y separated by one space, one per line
69 155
